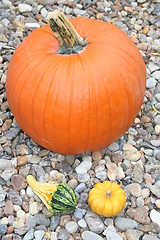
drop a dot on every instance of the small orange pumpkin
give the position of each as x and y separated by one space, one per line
73 95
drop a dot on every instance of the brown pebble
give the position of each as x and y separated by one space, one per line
22 160
96 156
64 219
146 29
99 16
6 125
25 206
10 229
143 46
18 182
116 158
145 119
8 209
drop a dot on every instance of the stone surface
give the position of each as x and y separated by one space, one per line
94 222
134 189
139 214
18 182
155 216
88 235
125 223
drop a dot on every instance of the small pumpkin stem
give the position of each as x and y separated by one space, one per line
70 41
108 194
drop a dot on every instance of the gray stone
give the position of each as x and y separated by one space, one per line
102 175
63 234
3 229
8 173
71 227
21 231
157 96
137 173
84 166
150 237
94 222
79 213
114 147
80 188
155 143
2 195
31 222
125 223
152 67
41 219
5 164
54 222
15 198
154 189
83 177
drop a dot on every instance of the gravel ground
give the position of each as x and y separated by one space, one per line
132 161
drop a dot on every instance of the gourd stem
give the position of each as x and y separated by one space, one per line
70 41
108 194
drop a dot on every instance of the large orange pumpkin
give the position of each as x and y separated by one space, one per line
81 100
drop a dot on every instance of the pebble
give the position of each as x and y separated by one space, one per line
5 164
112 171
156 75
125 223
31 222
155 216
8 209
24 8
22 160
88 235
34 208
15 198
80 188
29 235
54 222
84 167
71 227
101 175
82 223
154 189
132 234
44 12
82 178
157 203
94 222
134 189
139 214
63 234
41 218
39 234
8 173
114 147
151 83
145 192
96 156
3 229
18 182
130 153
155 143
113 235
32 25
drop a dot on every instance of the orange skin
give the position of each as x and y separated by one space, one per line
80 102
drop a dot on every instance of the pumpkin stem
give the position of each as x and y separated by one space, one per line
70 41
108 194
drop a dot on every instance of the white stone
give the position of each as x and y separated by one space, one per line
155 216
82 223
121 173
84 166
18 224
155 143
7 3
152 67
20 213
157 129
151 82
29 192
39 234
156 75
34 208
32 25
145 192
112 235
157 96
24 8
87 235
4 220
71 227
44 12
